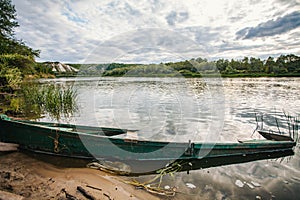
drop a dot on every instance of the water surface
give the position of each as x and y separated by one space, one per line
217 110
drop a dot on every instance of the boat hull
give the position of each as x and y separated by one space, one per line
105 143
273 136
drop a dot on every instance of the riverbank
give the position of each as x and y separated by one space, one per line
30 178
186 75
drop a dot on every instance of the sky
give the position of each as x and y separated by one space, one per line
153 31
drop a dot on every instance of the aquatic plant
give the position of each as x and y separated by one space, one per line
284 123
54 100
293 125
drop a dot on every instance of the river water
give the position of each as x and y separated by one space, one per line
213 109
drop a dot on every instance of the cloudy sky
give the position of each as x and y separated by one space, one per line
148 31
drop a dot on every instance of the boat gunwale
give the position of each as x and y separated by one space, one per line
159 159
201 145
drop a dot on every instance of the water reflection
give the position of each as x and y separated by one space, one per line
158 107
146 167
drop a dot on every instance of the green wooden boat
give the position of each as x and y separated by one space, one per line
110 143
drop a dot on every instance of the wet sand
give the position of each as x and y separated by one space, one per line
23 175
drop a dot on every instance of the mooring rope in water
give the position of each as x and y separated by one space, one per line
168 170
109 169
151 185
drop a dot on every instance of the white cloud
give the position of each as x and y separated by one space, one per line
73 31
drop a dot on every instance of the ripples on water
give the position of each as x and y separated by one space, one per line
198 109
160 108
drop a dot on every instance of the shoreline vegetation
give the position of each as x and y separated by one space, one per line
282 66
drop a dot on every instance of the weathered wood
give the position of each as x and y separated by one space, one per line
85 193
96 188
107 196
68 195
275 136
8 147
10 196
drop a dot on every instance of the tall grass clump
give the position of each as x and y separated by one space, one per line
55 100
280 123
293 125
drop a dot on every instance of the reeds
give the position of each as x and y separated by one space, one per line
55 100
285 121
293 125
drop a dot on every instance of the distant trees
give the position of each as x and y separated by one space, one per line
284 65
289 63
222 64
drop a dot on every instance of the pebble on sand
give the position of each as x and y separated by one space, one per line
239 183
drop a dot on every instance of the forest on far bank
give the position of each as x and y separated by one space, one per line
284 65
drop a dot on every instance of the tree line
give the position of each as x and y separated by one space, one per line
284 65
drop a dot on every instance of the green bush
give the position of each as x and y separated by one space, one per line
25 64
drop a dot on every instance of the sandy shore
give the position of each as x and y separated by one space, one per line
23 175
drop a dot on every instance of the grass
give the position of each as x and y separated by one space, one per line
52 99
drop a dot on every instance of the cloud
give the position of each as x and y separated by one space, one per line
142 43
139 31
272 27
174 17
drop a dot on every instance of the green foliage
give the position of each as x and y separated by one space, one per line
7 18
10 75
51 99
182 65
14 46
13 69
283 65
15 105
116 71
13 77
25 64
9 44
222 64
116 65
43 69
248 67
59 101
